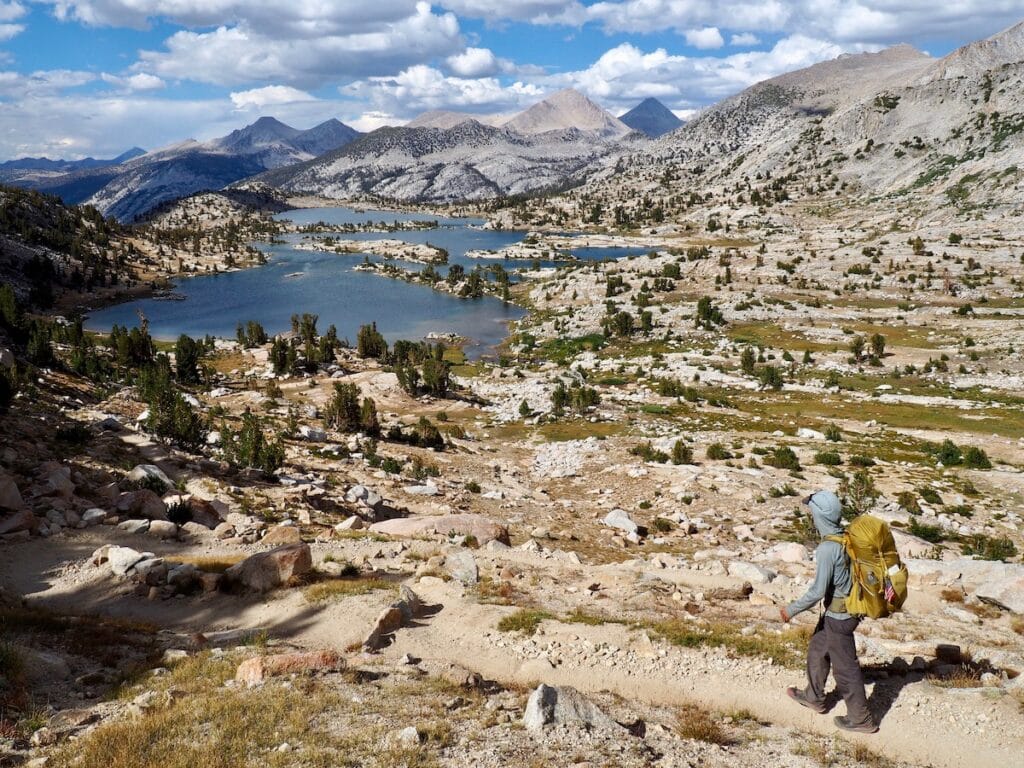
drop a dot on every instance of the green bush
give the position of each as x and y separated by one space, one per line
988 548
933 533
249 447
681 453
828 458
976 458
717 452
783 457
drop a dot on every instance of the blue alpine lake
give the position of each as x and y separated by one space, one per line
326 284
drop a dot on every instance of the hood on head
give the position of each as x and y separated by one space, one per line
827 512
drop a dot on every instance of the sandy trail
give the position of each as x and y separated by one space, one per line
920 724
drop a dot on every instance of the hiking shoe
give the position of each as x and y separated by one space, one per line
801 698
845 724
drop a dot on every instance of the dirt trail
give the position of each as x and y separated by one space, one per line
455 635
920 724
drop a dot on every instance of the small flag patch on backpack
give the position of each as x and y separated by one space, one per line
889 593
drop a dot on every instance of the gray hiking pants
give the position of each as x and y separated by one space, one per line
832 646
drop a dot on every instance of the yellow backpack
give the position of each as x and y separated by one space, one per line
879 577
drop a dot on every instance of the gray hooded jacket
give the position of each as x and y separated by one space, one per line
832 578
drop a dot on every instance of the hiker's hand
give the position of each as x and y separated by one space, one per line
783 615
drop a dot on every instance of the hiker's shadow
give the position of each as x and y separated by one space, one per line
889 681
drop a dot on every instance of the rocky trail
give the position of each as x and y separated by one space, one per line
920 724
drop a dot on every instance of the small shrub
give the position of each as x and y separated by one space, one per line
681 453
976 458
929 495
833 433
989 548
861 461
908 501
525 621
828 458
717 452
783 457
699 725
933 533
473 486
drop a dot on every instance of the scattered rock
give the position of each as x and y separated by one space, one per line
10 496
19 521
619 518
480 528
751 572
123 559
462 566
267 570
257 669
150 474
281 535
1006 593
564 706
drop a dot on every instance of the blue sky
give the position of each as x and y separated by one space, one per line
94 77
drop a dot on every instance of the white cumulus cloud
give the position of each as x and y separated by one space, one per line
705 39
268 95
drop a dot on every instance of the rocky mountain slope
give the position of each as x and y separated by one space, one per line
567 109
898 123
651 118
469 161
130 189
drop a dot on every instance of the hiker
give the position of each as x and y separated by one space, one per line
832 644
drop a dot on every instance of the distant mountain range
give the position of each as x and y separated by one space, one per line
129 186
562 110
651 118
26 170
449 156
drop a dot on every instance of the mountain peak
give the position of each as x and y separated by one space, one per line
564 109
651 118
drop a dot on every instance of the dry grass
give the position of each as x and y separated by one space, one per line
206 724
700 725
1017 624
788 649
334 589
525 621
952 595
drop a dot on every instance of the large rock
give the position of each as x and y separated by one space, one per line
123 559
19 521
363 495
787 552
462 567
1006 593
56 480
402 611
266 570
142 503
619 518
256 670
10 496
962 572
751 572
150 474
480 528
282 534
564 706
205 513
910 546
